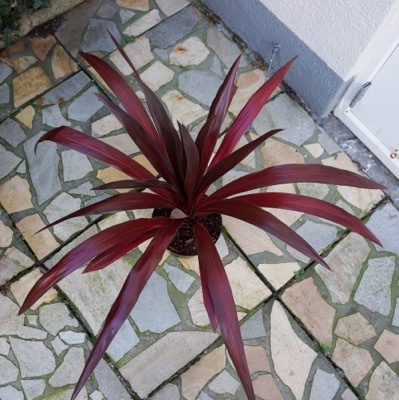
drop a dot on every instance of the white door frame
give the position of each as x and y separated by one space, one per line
383 44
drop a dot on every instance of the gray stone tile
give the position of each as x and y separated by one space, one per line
53 117
324 386
180 279
97 38
174 28
374 291
85 106
12 132
5 72
9 161
70 369
126 15
54 317
4 93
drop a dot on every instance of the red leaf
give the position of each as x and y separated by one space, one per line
223 301
294 173
154 153
232 160
208 135
264 220
161 119
127 298
85 251
311 206
124 93
97 149
249 113
120 202
136 184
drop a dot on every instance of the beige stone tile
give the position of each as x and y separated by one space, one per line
190 52
143 24
61 63
257 359
305 301
29 84
354 329
15 195
170 7
355 362
139 53
157 75
161 360
275 152
6 235
291 357
266 388
41 243
141 159
123 143
182 109
139 5
315 149
111 174
21 288
194 379
105 125
279 274
26 116
388 346
364 199
42 45
384 384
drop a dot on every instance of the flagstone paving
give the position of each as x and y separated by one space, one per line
309 333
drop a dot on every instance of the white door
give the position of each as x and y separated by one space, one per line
370 108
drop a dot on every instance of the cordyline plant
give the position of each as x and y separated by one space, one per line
187 169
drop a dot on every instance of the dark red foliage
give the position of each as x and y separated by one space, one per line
188 170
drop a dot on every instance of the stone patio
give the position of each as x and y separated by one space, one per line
309 333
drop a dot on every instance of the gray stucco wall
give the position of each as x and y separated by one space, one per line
312 78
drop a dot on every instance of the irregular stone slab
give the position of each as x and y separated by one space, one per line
315 149
54 317
225 49
143 24
30 84
70 369
72 337
181 109
257 359
181 280
292 358
348 395
42 45
105 125
26 116
253 328
139 5
75 165
374 291
14 324
66 90
248 290
97 38
354 329
12 132
28 352
12 262
58 345
9 392
198 313
43 168
224 383
174 28
6 234
384 384
165 357
126 15
4 93
265 388
275 152
67 394
8 162
279 274
9 372
307 304
200 85
157 75
170 7
355 361
85 106
15 195
41 243
364 199
395 319
124 340
190 52
283 111
52 117
195 378
61 206
324 386
5 72
383 223
346 261
139 53
170 392
33 388
4 347
388 346
61 63
154 310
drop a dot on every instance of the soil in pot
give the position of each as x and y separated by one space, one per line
183 243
